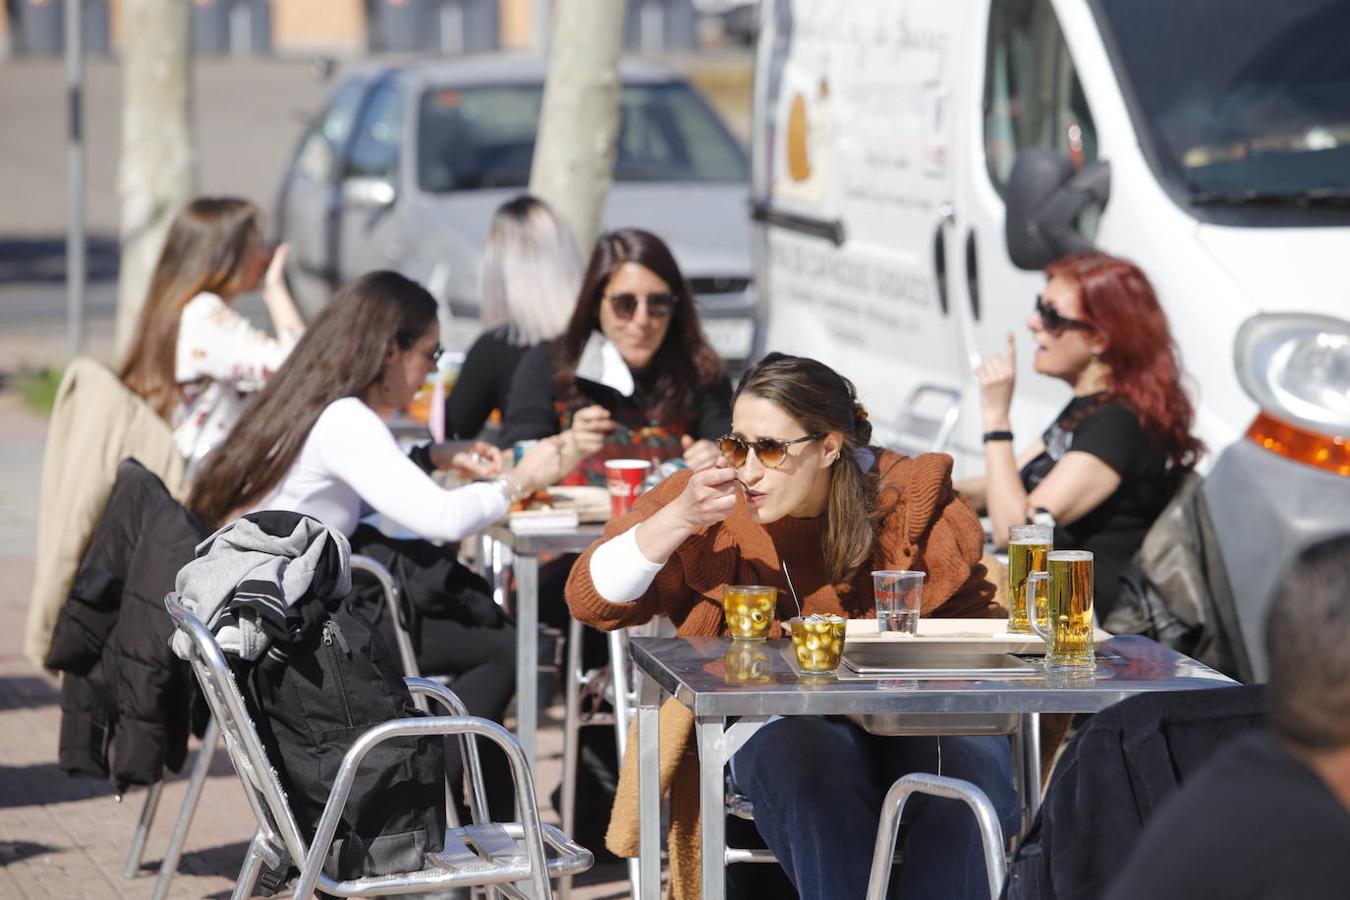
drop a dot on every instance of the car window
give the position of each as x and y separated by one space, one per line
320 148
1032 96
379 136
483 137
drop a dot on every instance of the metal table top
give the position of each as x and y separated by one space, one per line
567 540
695 671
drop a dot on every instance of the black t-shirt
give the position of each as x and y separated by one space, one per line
1255 824
1113 530
484 383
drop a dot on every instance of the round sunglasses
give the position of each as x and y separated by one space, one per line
660 305
1054 322
769 451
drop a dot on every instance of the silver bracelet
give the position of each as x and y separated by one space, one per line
512 491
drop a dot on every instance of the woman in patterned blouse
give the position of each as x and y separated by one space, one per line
194 358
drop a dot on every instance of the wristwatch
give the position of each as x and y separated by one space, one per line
997 436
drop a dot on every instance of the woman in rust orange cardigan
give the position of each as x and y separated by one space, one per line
799 483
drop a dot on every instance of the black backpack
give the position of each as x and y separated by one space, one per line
315 697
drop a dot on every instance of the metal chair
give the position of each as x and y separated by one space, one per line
926 420
991 833
492 854
197 778
1025 745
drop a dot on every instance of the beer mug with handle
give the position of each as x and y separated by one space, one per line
1027 546
1066 626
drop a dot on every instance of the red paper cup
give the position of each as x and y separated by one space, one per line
624 477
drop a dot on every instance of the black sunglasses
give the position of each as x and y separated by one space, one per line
769 452
660 305
1054 322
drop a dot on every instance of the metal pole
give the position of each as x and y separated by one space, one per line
75 237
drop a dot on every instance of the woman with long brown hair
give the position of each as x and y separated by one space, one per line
313 442
194 358
1113 457
633 375
799 481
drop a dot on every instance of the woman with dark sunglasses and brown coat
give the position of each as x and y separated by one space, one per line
1111 460
632 376
800 485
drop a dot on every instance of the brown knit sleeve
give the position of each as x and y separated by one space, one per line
935 530
701 560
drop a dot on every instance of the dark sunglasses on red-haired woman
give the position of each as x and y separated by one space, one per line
1054 322
660 305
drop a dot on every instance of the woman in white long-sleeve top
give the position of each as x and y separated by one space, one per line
313 442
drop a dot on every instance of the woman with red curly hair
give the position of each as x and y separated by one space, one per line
1111 460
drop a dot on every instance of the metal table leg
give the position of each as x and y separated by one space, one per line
571 741
1031 743
649 789
527 654
712 805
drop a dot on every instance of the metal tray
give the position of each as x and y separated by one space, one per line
877 660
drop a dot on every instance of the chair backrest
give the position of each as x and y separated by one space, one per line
262 788
927 420
389 588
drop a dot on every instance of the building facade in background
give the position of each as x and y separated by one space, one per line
344 27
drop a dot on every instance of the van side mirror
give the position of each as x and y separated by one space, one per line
1044 198
367 193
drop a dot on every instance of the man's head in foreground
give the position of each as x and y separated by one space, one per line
1308 644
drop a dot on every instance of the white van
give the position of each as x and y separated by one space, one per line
1207 140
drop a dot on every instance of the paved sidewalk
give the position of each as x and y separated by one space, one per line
68 838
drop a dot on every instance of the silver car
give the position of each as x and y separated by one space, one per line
407 162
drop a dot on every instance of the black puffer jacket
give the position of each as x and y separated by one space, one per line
1115 772
125 697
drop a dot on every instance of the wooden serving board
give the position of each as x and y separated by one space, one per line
947 634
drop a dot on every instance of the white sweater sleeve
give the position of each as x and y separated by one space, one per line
619 571
358 448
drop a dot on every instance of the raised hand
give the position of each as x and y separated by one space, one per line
590 425
996 376
709 497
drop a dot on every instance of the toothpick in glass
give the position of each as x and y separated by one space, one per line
791 588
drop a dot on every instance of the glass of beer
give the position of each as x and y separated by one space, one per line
1066 626
1027 546
749 610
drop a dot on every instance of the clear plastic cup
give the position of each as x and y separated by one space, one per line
899 597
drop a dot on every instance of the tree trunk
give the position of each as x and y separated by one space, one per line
158 168
579 124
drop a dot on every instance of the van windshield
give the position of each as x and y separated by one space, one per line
479 137
1242 101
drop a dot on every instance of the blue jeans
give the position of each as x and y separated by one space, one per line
817 785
